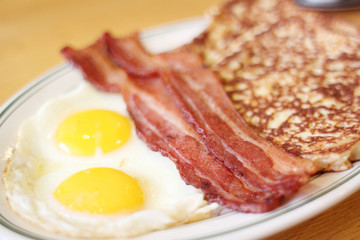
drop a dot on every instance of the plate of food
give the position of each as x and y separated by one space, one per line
135 138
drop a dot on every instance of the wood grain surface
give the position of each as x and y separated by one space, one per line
33 31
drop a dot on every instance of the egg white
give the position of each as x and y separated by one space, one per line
38 167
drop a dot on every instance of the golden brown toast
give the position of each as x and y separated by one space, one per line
294 75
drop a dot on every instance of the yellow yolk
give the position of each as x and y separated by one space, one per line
83 133
100 190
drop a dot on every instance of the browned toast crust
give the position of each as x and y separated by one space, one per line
294 75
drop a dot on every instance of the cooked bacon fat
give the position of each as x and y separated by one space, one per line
181 110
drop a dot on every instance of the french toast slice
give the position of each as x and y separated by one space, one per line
294 75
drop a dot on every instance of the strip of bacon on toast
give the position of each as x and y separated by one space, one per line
294 75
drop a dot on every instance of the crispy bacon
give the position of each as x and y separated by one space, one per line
198 94
177 109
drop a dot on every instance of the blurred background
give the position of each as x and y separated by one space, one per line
32 32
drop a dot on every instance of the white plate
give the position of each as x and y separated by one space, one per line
322 192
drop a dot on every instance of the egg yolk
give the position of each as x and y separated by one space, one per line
100 190
81 134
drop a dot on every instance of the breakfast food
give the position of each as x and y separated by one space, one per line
91 175
180 109
294 75
111 186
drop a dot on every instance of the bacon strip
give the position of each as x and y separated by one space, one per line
199 95
170 122
228 137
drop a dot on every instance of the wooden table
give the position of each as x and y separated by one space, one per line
33 31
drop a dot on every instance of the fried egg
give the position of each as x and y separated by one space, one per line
79 169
